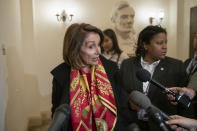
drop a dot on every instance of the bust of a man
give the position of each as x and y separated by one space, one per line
123 20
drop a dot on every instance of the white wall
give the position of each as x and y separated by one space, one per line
10 35
184 27
144 9
172 29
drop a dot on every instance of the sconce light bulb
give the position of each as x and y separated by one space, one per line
151 20
71 17
57 15
161 15
64 17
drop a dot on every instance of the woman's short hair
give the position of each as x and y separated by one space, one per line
145 36
73 40
112 35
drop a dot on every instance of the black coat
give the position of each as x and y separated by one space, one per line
169 72
61 86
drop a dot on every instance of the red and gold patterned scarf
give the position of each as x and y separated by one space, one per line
92 107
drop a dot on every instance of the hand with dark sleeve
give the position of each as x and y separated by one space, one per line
56 97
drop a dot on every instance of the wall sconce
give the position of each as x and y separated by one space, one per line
64 17
157 19
151 20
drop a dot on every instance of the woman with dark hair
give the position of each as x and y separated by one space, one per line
110 48
151 55
85 81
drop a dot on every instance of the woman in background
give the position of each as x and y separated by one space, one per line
110 48
85 81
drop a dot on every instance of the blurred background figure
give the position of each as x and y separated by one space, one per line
191 68
193 82
123 19
110 47
191 63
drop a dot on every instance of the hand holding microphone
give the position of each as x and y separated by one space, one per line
61 116
188 123
144 76
184 91
143 102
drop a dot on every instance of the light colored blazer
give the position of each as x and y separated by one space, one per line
193 82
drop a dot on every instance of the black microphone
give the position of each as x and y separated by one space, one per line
60 117
144 76
133 127
144 102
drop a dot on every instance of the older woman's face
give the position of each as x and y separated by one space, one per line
90 49
157 48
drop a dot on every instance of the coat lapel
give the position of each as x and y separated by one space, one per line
159 71
138 83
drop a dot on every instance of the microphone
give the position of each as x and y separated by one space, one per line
133 127
61 116
144 102
144 76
